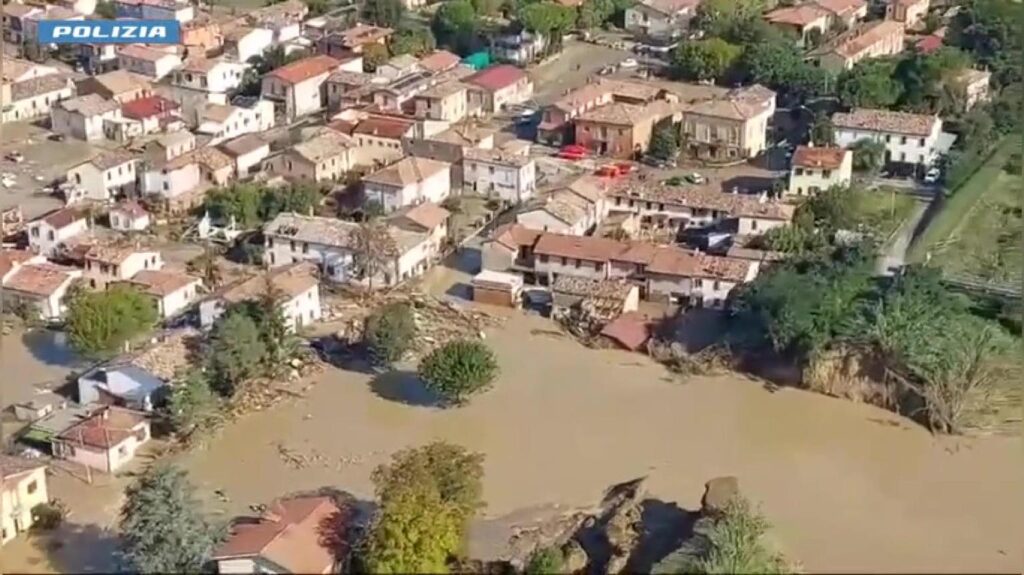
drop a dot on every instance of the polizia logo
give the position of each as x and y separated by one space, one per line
109 32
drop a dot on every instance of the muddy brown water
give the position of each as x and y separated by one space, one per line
848 487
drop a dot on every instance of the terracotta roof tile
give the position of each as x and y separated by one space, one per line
797 15
439 61
39 279
427 215
11 258
105 429
148 107
291 280
886 121
62 218
384 127
408 170
828 158
162 283
306 68
497 77
631 330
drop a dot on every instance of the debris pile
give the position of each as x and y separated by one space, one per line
297 459
261 393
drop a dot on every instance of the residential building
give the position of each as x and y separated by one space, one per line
217 76
398 67
353 40
169 146
602 300
325 157
22 487
911 139
47 233
330 244
660 18
248 151
296 283
910 12
972 87
818 169
557 124
559 212
450 146
43 286
622 130
520 48
104 441
153 114
245 42
446 102
105 265
439 61
11 260
294 535
17 70
121 86
731 127
299 86
96 58
104 177
495 87
48 12
284 19
426 218
14 21
82 117
173 179
409 181
147 62
215 166
171 291
845 13
129 216
804 20
873 40
121 383
178 10
498 173
202 36
225 122
378 138
34 97
346 88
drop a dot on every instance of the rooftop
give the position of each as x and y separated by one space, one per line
670 7
326 144
426 216
112 254
739 104
810 157
140 52
616 290
801 15
243 145
291 280
41 279
439 61
631 330
148 107
106 428
408 170
361 34
856 43
120 81
497 77
162 283
841 7
679 262
384 127
500 157
304 69
12 466
9 259
111 159
886 121
130 208
62 217
39 86
89 105
563 205
515 236
732 204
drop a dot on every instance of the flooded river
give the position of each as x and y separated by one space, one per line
848 487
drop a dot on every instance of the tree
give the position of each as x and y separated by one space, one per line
594 13
106 10
386 13
459 369
781 67
236 351
390 332
701 60
193 405
374 55
664 141
102 323
990 31
374 251
455 26
726 18
416 40
823 132
252 204
545 561
868 155
427 497
548 19
486 7
162 527
317 7
279 343
870 84
207 267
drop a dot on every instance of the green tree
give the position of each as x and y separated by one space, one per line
390 332
823 132
548 19
868 155
455 26
99 324
545 561
193 405
781 67
386 13
427 497
374 55
990 31
413 39
162 527
279 343
236 351
701 60
317 7
594 13
486 7
870 84
726 18
664 141
106 10
459 369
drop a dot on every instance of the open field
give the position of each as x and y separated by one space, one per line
958 236
883 210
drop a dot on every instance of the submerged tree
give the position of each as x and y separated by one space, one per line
101 323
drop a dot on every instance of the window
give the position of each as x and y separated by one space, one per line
578 263
697 283
35 232
753 224
903 140
122 451
826 173
799 171
903 156
717 285
888 139
543 259
565 261
921 142
50 235
32 487
305 248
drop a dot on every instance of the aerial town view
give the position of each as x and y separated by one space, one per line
512 286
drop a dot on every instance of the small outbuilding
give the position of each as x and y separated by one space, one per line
497 288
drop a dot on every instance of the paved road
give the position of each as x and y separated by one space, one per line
895 253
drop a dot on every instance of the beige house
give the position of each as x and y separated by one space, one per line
910 12
498 86
874 40
104 265
40 285
104 441
802 20
22 487
326 157
170 291
149 62
426 218
34 97
408 182
300 86
120 85
732 127
293 277
446 102
818 169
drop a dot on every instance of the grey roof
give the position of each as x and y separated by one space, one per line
89 105
333 232
243 145
111 159
326 144
174 138
126 381
39 86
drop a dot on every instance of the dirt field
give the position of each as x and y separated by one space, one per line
848 487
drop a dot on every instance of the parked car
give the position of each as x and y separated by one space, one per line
932 176
695 178
629 63
573 152
15 157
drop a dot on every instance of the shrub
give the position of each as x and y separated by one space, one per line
459 369
453 204
48 516
544 561
390 332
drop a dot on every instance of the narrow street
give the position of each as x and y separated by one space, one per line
894 254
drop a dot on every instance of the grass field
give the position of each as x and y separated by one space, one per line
978 232
882 210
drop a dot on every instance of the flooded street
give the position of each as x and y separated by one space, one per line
30 359
848 487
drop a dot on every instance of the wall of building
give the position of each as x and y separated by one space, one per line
900 148
511 183
17 501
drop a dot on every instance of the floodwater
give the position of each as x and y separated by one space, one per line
848 487
29 359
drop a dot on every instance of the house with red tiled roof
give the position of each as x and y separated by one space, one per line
872 40
817 169
42 286
153 113
426 218
803 20
439 61
48 232
105 440
293 535
214 76
297 87
493 88
353 41
171 291
909 139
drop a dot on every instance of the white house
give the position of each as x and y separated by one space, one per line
298 86
329 243
105 265
244 42
818 169
510 177
128 216
248 151
82 117
104 177
106 440
40 285
172 292
660 17
409 181
48 232
33 97
175 178
297 283
560 212
169 146
22 488
223 123
149 62
426 218
214 76
909 138
325 157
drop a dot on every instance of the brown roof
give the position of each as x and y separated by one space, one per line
670 7
579 247
130 208
427 215
630 330
304 69
384 127
733 205
110 254
11 258
841 7
291 280
111 159
439 61
11 467
497 77
200 64
617 113
106 428
739 104
885 121
302 535
829 158
119 82
407 171
871 35
162 283
361 34
39 279
62 218
212 158
515 236
140 52
680 262
617 289
243 145
797 15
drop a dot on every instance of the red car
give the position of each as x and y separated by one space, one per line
573 152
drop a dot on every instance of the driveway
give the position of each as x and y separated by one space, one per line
894 255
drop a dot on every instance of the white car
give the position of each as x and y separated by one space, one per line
628 63
932 176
